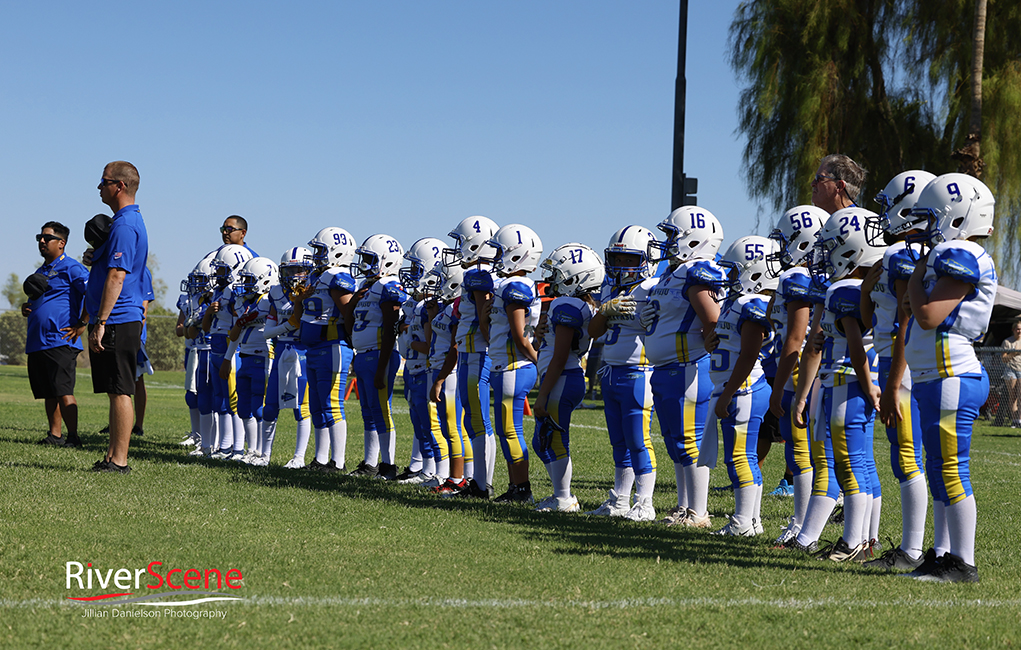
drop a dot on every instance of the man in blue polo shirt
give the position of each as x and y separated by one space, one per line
56 294
234 230
114 302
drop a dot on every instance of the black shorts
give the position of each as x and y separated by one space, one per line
113 369
51 372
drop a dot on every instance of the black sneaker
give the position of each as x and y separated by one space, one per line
52 441
112 467
794 545
387 472
364 469
841 552
407 473
72 440
471 491
137 431
331 468
837 517
929 563
515 494
315 466
895 559
105 429
951 569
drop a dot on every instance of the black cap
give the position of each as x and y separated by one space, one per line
35 285
97 230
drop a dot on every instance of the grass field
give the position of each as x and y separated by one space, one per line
332 561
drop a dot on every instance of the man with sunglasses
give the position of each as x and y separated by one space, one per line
114 302
56 293
837 183
233 231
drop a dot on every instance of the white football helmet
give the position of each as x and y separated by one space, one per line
895 203
470 237
573 270
629 240
444 282
841 246
693 233
200 280
515 248
746 261
295 265
378 256
228 261
332 247
795 234
257 276
957 207
424 255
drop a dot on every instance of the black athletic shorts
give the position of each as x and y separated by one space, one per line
51 372
113 369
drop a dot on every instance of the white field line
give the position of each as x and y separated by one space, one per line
630 603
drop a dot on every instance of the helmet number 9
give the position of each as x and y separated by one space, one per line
753 251
845 222
697 220
804 222
955 192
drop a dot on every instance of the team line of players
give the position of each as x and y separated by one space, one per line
862 313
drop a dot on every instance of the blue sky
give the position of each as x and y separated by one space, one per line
388 116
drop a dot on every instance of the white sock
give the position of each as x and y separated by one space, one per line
802 492
941 534
757 504
338 442
743 505
269 432
415 464
469 469
196 428
251 427
961 523
819 509
480 466
225 422
322 445
560 473
207 429
866 518
388 447
304 432
215 430
914 501
855 507
646 485
490 457
623 481
697 487
428 466
682 492
442 468
239 433
371 447
877 508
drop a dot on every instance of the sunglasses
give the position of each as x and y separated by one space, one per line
226 230
106 181
47 238
823 177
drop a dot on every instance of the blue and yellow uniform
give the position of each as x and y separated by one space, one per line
431 442
473 366
513 374
327 350
446 415
794 286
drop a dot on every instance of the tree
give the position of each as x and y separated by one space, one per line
818 82
13 292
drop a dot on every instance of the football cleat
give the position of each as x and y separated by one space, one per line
694 520
733 529
415 478
450 487
261 461
841 552
614 506
471 490
950 568
895 559
199 451
674 517
794 545
223 454
433 482
295 463
788 533
364 469
515 494
929 563
641 511
784 489
387 472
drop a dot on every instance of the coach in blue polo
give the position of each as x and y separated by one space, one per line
114 302
56 294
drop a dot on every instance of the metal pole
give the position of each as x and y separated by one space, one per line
677 192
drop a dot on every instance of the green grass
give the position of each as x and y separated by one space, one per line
332 561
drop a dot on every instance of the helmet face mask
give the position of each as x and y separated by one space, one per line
469 235
573 270
795 235
896 201
378 256
745 261
627 256
841 247
517 249
295 266
256 277
332 247
443 283
423 256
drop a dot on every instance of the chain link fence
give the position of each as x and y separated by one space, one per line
1003 390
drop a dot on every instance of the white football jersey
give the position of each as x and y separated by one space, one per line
251 340
570 312
946 350
793 286
676 334
469 334
843 300
367 333
746 309
507 292
415 362
898 263
281 302
443 327
623 342
223 320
